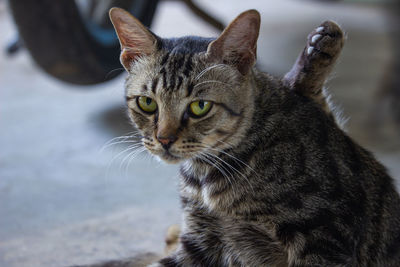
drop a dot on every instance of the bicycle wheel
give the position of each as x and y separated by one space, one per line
68 43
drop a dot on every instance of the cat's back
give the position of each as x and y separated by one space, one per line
330 180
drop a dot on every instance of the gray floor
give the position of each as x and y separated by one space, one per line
65 200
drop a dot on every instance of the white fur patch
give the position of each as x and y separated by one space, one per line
187 167
190 190
209 203
337 112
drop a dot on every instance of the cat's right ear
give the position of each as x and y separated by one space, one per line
135 39
237 44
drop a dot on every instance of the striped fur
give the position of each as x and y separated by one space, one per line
267 176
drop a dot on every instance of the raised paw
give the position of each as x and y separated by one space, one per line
315 62
324 43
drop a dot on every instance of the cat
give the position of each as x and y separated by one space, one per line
267 175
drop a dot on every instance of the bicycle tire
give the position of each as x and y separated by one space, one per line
56 37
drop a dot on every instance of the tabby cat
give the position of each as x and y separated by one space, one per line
268 178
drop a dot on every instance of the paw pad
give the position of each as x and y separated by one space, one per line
325 41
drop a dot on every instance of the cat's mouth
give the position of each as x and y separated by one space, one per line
165 154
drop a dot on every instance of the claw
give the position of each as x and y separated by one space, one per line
315 38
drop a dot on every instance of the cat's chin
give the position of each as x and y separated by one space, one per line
169 158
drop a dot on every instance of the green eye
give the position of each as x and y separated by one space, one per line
200 108
146 104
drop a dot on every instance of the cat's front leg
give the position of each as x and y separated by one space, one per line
170 261
179 259
195 250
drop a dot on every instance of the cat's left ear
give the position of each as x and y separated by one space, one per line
135 39
237 45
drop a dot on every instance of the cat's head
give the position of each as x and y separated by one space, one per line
190 97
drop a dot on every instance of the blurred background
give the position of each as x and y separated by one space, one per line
68 194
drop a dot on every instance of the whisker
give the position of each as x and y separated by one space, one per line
131 147
212 81
211 157
129 135
234 158
226 143
220 168
111 71
132 156
231 167
208 69
225 163
123 137
119 142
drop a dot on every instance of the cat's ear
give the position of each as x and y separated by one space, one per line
135 39
237 45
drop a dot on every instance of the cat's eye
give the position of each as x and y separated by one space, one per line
200 108
146 104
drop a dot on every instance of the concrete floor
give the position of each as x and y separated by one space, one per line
64 200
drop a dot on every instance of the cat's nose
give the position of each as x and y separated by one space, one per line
167 141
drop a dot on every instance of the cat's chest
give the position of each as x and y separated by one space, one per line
198 193
204 188
216 209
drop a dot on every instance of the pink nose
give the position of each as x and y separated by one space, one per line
166 142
